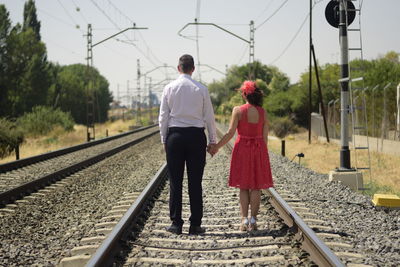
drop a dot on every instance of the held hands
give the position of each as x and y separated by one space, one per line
212 149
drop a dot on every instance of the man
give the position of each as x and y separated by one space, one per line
185 111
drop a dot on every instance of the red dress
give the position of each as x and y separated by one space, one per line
250 166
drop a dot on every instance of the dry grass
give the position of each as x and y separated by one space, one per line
323 157
58 138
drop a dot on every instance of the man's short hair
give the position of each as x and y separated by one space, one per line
186 63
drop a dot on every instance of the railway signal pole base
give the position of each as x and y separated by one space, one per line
350 178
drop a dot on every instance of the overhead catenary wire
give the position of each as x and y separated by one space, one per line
78 9
264 10
197 38
65 48
295 35
273 14
292 40
246 48
109 18
150 51
56 18
69 15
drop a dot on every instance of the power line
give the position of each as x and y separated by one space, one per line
56 18
65 48
246 47
149 49
66 12
78 9
119 11
265 9
108 17
291 41
273 14
140 35
296 34
197 37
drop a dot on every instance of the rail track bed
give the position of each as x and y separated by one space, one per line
31 177
223 243
42 228
356 231
145 241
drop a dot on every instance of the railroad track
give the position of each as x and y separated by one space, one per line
131 237
41 228
5 167
37 172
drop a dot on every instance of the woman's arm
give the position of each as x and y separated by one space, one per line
266 127
232 128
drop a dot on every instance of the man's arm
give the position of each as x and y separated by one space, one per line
209 118
164 116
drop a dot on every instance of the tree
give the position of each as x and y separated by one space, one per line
5 26
70 92
30 19
223 91
28 74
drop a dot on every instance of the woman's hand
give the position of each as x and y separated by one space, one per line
212 149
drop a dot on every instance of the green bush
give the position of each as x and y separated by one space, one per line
283 126
43 120
10 137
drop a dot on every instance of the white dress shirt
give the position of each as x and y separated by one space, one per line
186 103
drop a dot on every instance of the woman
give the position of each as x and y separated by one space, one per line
250 167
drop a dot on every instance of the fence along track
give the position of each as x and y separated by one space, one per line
45 156
29 187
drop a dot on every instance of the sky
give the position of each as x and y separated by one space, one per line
281 35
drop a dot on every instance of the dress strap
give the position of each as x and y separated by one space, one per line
243 112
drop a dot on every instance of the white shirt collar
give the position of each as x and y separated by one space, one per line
185 75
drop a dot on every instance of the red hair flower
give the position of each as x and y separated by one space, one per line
248 87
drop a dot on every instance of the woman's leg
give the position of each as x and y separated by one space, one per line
255 198
244 202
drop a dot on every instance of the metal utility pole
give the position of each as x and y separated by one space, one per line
138 115
90 95
321 101
310 78
344 85
118 101
251 52
150 103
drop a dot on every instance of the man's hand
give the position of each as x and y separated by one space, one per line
212 149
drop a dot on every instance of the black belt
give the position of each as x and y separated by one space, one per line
185 129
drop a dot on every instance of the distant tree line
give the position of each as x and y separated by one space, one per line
28 79
285 101
37 95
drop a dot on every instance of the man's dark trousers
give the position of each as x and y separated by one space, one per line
186 145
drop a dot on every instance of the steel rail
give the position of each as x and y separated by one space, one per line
104 255
319 252
18 192
34 159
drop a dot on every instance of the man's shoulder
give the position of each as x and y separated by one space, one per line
171 84
199 85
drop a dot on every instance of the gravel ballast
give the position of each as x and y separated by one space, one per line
13 178
373 232
44 229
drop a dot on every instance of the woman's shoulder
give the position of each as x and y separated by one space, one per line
261 109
